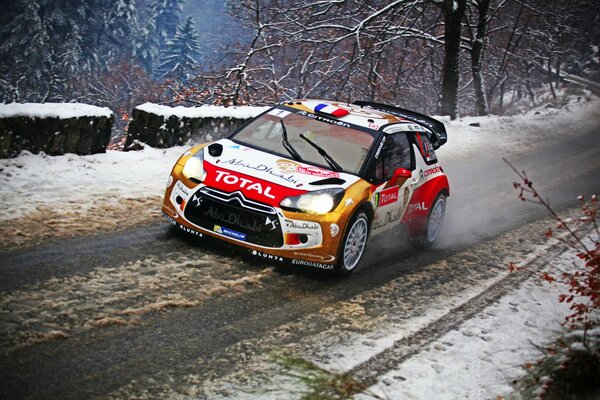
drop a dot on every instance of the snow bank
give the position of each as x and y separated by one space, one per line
241 112
505 135
31 181
53 110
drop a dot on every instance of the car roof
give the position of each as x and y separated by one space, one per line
366 117
374 116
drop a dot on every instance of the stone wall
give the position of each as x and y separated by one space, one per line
54 135
161 126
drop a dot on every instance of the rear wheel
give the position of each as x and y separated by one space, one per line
354 244
435 220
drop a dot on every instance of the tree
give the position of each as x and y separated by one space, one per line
165 16
179 57
454 11
478 38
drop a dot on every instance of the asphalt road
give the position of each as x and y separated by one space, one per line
115 314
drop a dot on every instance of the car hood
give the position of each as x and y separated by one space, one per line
266 168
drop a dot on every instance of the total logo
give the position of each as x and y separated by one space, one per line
387 196
243 183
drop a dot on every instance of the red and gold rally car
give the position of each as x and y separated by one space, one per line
309 182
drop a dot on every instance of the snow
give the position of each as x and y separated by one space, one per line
33 180
240 112
52 110
490 350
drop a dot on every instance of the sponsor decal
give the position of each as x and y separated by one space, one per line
290 224
334 229
313 264
188 230
287 166
323 119
389 218
237 147
266 256
291 167
405 196
373 126
349 202
322 258
182 188
172 211
243 183
266 169
319 172
232 219
417 207
229 232
387 196
379 148
421 175
168 217
432 171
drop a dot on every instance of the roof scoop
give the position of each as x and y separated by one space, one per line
329 181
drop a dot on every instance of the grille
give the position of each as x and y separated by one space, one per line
258 222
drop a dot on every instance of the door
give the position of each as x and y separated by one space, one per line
391 173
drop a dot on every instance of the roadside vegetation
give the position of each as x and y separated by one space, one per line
570 367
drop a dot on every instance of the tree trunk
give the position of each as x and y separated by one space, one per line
453 14
502 97
551 80
477 52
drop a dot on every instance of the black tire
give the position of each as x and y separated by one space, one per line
435 221
353 245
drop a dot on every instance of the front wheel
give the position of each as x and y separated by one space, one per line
353 245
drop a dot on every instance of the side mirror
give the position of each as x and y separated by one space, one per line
401 173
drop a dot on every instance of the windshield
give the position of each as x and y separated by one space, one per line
348 147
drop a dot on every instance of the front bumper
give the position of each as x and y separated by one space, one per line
267 232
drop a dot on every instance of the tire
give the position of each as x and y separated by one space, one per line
435 221
353 245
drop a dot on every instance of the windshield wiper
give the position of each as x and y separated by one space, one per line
323 153
287 144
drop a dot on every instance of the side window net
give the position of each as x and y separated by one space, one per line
394 154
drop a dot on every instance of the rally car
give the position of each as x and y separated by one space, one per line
308 182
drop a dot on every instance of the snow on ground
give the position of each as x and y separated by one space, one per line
33 180
488 352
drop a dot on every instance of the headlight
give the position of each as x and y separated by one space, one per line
317 202
194 167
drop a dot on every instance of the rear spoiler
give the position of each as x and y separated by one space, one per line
438 134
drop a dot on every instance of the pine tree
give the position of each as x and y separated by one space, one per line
24 54
165 14
179 59
120 29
